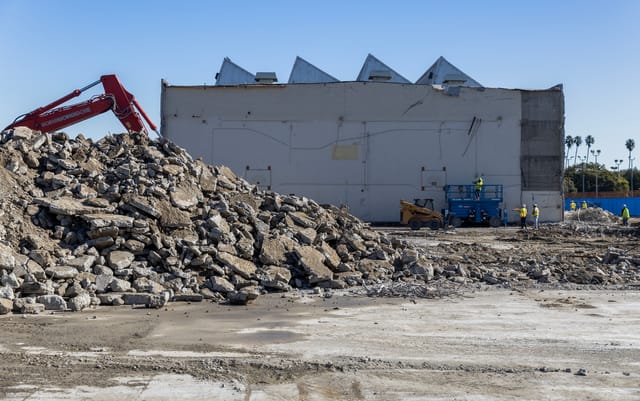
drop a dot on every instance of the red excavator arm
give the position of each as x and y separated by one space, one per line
51 118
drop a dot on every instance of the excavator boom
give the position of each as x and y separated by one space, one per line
51 118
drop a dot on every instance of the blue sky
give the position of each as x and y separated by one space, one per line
49 48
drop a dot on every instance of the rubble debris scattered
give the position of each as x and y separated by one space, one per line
128 220
591 215
132 221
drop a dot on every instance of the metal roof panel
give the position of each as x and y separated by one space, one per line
232 74
441 71
304 72
372 64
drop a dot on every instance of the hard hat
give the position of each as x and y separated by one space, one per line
624 205
523 205
535 204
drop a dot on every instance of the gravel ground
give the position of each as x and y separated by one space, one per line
456 340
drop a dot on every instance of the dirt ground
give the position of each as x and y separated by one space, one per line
479 343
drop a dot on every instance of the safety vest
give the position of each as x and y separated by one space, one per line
584 205
523 212
625 213
479 184
536 212
572 205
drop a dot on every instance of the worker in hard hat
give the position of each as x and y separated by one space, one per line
523 216
625 215
583 205
536 215
572 205
479 182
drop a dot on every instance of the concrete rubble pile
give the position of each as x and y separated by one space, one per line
591 215
525 266
128 220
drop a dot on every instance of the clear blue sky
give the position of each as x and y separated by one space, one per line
50 48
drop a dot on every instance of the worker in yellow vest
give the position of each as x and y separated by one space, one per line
583 205
523 216
625 215
536 214
572 206
479 183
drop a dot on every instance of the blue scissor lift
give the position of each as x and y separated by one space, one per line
465 206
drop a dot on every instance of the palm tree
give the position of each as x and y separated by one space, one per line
568 140
577 140
589 141
630 144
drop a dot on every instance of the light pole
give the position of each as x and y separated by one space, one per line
595 154
618 162
631 159
582 158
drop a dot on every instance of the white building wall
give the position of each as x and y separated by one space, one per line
363 144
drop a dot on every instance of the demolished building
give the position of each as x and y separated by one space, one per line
368 143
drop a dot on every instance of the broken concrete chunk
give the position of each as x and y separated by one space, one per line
120 259
82 263
144 284
238 265
185 196
7 293
242 297
41 257
278 273
31 308
103 282
172 217
306 235
118 285
274 250
148 300
144 205
111 299
99 220
302 219
52 302
68 206
6 306
220 284
313 263
79 302
10 280
331 256
7 258
58 272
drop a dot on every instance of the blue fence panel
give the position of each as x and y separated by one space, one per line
613 205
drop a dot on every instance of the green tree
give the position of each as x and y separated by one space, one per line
630 144
607 180
569 186
568 141
577 140
589 141
635 179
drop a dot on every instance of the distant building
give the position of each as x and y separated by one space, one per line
371 142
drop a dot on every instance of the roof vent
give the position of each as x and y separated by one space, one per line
454 79
380 75
266 77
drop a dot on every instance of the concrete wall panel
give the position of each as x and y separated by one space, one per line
363 144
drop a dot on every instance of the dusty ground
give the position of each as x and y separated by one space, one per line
480 343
